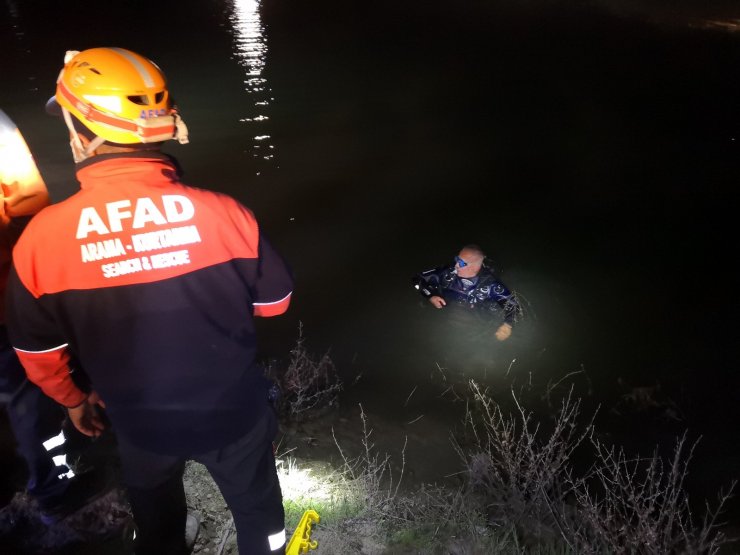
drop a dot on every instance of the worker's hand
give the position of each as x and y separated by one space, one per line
503 332
437 301
23 201
87 417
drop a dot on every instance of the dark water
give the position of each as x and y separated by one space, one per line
592 151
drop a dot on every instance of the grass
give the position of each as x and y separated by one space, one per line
320 489
536 482
522 491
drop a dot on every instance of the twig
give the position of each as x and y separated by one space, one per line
409 397
509 368
403 465
444 378
225 536
556 519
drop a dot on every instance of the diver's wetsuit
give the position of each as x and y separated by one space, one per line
484 291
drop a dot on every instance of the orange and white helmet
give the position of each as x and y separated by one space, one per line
120 96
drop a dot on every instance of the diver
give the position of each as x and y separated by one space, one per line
471 283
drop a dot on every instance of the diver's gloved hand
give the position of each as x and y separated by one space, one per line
503 332
437 301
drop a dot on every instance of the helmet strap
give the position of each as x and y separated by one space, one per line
94 144
181 130
80 153
74 142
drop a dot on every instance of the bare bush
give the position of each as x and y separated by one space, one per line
370 474
431 519
639 505
443 519
308 385
527 480
520 475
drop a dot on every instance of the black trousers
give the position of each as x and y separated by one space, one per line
244 472
34 419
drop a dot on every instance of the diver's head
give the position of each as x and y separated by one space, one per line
117 98
469 261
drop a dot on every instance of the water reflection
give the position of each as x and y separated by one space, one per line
251 51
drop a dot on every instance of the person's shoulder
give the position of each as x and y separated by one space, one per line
222 207
487 276
489 273
53 215
209 196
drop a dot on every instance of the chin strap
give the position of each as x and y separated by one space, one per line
79 152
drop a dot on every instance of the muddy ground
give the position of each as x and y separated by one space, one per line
105 527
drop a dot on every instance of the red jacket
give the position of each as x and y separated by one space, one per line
152 285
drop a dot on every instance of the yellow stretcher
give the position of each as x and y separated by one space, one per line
300 542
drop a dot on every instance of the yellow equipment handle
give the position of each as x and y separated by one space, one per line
300 542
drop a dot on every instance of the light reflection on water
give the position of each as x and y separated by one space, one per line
250 46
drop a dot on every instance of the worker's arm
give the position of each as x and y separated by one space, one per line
274 283
49 369
40 348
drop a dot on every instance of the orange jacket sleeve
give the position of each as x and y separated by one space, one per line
50 371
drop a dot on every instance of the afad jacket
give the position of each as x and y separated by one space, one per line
152 286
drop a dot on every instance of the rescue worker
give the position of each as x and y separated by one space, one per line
153 285
470 283
37 422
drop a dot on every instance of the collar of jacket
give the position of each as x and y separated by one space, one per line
127 165
483 277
